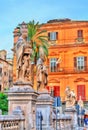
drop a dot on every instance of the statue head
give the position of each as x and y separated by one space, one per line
67 91
27 49
41 54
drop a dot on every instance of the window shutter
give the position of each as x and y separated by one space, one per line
85 62
58 66
81 92
56 91
48 36
75 63
48 62
56 35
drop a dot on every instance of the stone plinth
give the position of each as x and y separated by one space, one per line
23 95
44 105
62 122
73 113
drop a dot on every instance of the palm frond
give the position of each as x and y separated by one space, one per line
38 39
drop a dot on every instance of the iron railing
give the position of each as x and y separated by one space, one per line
69 70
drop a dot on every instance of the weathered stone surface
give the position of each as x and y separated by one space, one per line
44 96
19 88
22 98
70 97
10 117
44 105
73 113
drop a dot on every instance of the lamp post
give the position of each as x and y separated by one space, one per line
52 93
56 116
57 111
80 103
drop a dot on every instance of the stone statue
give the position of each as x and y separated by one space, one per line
70 97
23 53
41 74
80 102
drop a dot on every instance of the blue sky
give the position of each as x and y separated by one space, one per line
13 12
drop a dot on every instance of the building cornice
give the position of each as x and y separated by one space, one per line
69 45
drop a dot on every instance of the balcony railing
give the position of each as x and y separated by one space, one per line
14 121
11 122
67 70
79 40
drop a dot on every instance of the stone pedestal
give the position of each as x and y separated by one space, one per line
23 95
73 113
44 105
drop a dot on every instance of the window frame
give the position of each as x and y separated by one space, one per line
53 36
80 64
80 33
53 65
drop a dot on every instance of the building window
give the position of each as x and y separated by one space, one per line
53 36
53 65
80 38
81 92
80 63
80 33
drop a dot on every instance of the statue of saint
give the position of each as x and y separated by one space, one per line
42 71
41 74
70 97
23 53
80 102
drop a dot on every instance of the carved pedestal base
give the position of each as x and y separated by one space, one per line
44 106
23 95
73 113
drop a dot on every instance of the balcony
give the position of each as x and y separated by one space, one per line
79 40
67 70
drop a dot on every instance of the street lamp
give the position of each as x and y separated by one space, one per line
56 115
57 104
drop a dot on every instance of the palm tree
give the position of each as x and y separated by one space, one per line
37 40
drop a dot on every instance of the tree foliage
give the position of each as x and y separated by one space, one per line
3 103
37 39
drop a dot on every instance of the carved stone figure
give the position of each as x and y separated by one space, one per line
80 102
70 97
23 53
41 74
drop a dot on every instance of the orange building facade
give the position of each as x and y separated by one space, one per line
68 56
